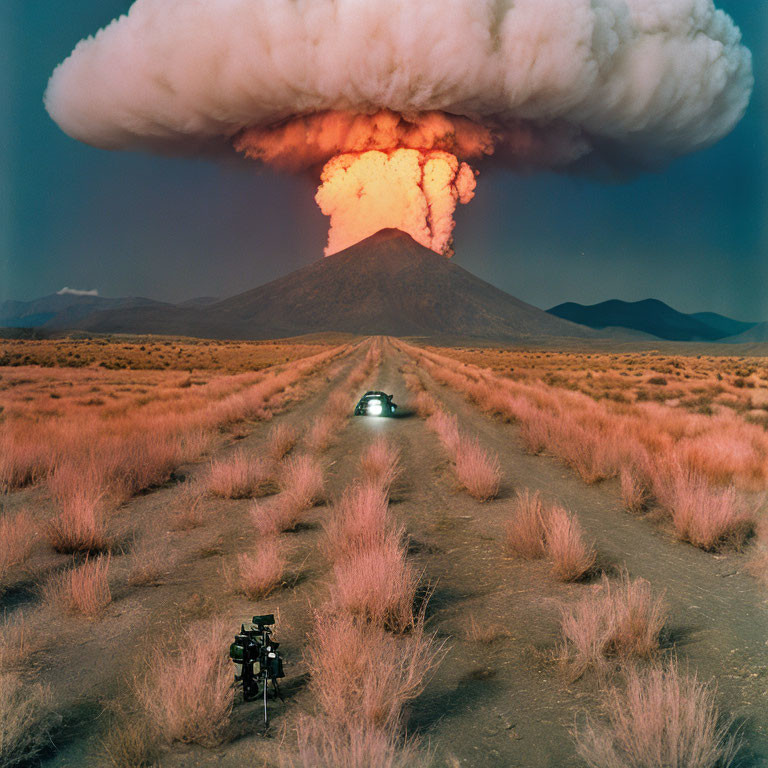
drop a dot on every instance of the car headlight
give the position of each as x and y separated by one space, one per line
374 408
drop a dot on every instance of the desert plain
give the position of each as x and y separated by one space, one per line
546 558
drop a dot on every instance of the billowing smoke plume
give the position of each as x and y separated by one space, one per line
351 84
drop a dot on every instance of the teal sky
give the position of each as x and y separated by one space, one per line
694 235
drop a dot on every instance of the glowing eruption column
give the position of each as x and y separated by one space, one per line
413 190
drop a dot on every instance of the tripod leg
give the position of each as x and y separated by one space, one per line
277 689
266 719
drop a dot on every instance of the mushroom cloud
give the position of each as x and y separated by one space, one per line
393 101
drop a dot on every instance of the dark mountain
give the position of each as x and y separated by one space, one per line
61 310
386 284
726 325
649 316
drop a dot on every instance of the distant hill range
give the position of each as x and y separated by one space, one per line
62 310
386 284
655 318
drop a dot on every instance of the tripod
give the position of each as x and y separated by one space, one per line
257 661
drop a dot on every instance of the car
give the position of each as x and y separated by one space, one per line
375 404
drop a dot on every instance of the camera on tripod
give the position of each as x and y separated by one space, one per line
257 660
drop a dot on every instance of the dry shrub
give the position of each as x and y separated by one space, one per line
260 572
187 693
594 452
572 558
446 428
424 404
17 643
359 673
239 477
709 518
80 523
18 534
485 633
82 590
188 507
149 560
337 406
129 742
25 455
194 444
377 585
303 489
353 745
276 516
634 491
525 531
476 470
301 480
281 441
322 432
535 428
379 463
661 718
26 720
358 521
620 621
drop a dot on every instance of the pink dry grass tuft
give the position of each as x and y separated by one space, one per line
476 470
260 572
661 718
525 530
620 621
634 491
27 719
281 441
188 509
79 525
424 405
358 522
377 585
302 482
239 476
708 517
18 642
18 534
572 558
150 560
188 693
446 428
379 463
360 673
82 590
322 432
352 745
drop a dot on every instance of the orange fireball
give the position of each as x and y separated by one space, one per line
412 190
